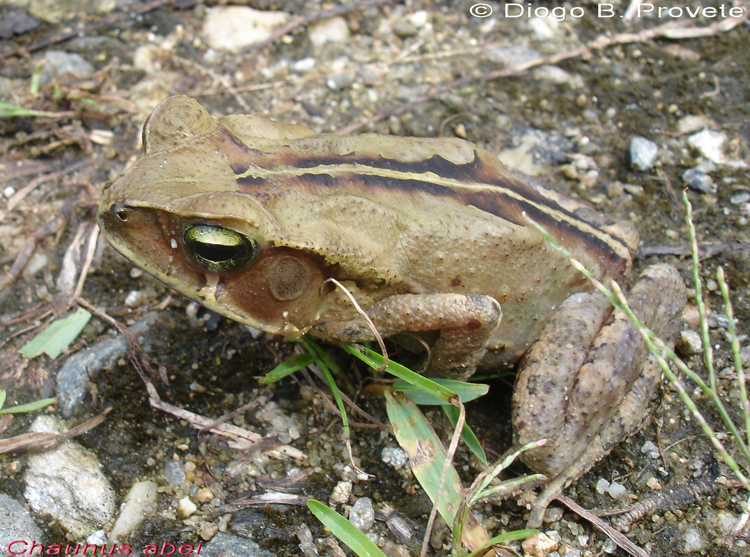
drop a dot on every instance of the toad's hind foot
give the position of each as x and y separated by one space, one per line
609 395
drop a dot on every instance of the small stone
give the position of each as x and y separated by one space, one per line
689 343
395 456
334 30
419 18
134 298
740 198
174 473
552 514
691 124
68 484
633 189
185 507
341 493
362 515
340 81
654 484
539 545
698 180
693 541
602 486
511 55
649 448
643 153
304 65
204 495
58 63
710 144
235 27
616 490
17 523
404 29
139 503
615 189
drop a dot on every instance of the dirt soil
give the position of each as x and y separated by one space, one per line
549 94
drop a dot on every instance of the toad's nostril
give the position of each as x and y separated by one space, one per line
119 210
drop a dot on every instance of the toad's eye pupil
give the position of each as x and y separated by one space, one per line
217 248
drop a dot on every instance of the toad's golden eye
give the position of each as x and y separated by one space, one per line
218 249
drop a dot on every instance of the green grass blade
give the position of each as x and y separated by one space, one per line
57 337
344 530
503 539
426 453
29 407
292 365
467 435
376 361
465 391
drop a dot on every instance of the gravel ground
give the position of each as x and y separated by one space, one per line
621 111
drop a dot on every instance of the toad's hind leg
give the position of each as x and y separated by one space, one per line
586 411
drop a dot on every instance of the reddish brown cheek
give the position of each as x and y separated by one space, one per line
281 286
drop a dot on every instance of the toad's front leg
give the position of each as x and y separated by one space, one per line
465 323
583 389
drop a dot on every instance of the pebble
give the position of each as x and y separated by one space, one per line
55 11
204 495
341 493
643 153
362 515
710 144
689 343
185 507
139 503
404 29
73 378
511 55
691 124
740 198
693 541
233 28
539 545
649 448
698 180
602 486
174 472
394 456
542 28
334 30
58 63
304 64
16 22
616 490
552 514
228 545
67 484
17 524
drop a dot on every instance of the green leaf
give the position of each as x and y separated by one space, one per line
292 365
426 453
376 361
503 539
344 530
2 398
467 435
28 407
57 337
8 110
466 391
